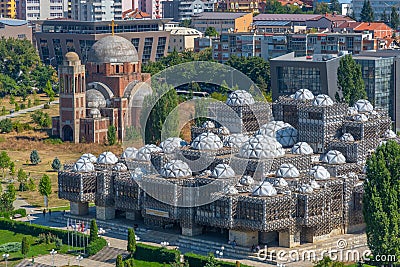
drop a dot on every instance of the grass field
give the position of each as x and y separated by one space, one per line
5 101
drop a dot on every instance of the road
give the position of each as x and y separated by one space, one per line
24 111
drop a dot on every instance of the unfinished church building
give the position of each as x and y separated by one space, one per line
295 179
109 90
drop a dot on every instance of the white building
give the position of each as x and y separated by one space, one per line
181 38
42 9
96 10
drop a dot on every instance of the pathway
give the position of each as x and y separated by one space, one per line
63 260
24 111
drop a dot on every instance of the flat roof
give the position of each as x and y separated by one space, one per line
291 57
286 17
13 22
219 15
271 23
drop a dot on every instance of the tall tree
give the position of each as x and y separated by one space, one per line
56 164
131 241
381 202
367 14
111 135
211 31
394 18
34 157
93 231
349 80
45 186
7 198
321 8
384 16
25 246
48 90
4 161
119 262
335 6
22 178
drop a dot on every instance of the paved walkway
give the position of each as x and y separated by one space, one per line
63 260
24 111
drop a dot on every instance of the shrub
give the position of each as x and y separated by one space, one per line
58 243
56 164
9 214
196 260
6 126
93 231
10 247
42 119
53 141
46 106
150 253
34 157
95 246
25 246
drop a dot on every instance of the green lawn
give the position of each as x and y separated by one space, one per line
149 264
35 249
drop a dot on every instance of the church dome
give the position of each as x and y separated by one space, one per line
113 49
207 141
176 169
95 99
83 165
240 98
261 147
71 57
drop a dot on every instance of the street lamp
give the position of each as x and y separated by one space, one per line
219 253
79 258
164 244
53 253
137 238
29 218
5 256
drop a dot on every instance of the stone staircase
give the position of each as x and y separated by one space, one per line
26 263
109 255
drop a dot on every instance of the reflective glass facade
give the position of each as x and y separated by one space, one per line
309 78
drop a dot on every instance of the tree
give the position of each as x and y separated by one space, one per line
185 23
211 261
327 262
45 186
384 16
31 184
335 6
394 18
48 90
7 198
131 241
119 262
367 14
56 164
4 161
34 157
22 178
349 80
93 231
381 205
6 126
11 169
25 246
321 8
211 31
41 118
111 135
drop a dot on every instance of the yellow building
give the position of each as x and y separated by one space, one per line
8 9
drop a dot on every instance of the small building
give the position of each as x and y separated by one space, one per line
379 30
8 9
298 22
182 38
15 28
223 22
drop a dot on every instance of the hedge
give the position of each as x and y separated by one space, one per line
33 229
96 245
8 214
156 254
196 260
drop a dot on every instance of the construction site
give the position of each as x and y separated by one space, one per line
283 173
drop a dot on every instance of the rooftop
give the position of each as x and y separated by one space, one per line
271 23
13 22
219 15
314 58
286 17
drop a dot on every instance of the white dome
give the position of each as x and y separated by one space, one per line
107 158
137 174
240 98
264 189
351 111
176 169
314 185
287 136
92 158
129 153
223 171
363 105
223 130
305 189
261 147
144 153
231 190
360 117
170 144
302 148
303 94
208 125
246 180
287 170
235 140
83 165
207 141
280 182
334 157
319 173
323 100
271 128
120 167
389 134
347 137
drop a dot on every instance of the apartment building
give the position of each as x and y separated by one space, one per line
223 22
33 10
8 9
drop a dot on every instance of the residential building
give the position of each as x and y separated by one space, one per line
316 73
347 9
292 22
57 37
183 10
223 22
33 10
202 43
182 39
15 28
379 30
96 10
378 7
240 6
328 21
8 9
135 14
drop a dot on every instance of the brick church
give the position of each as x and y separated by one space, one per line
109 90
